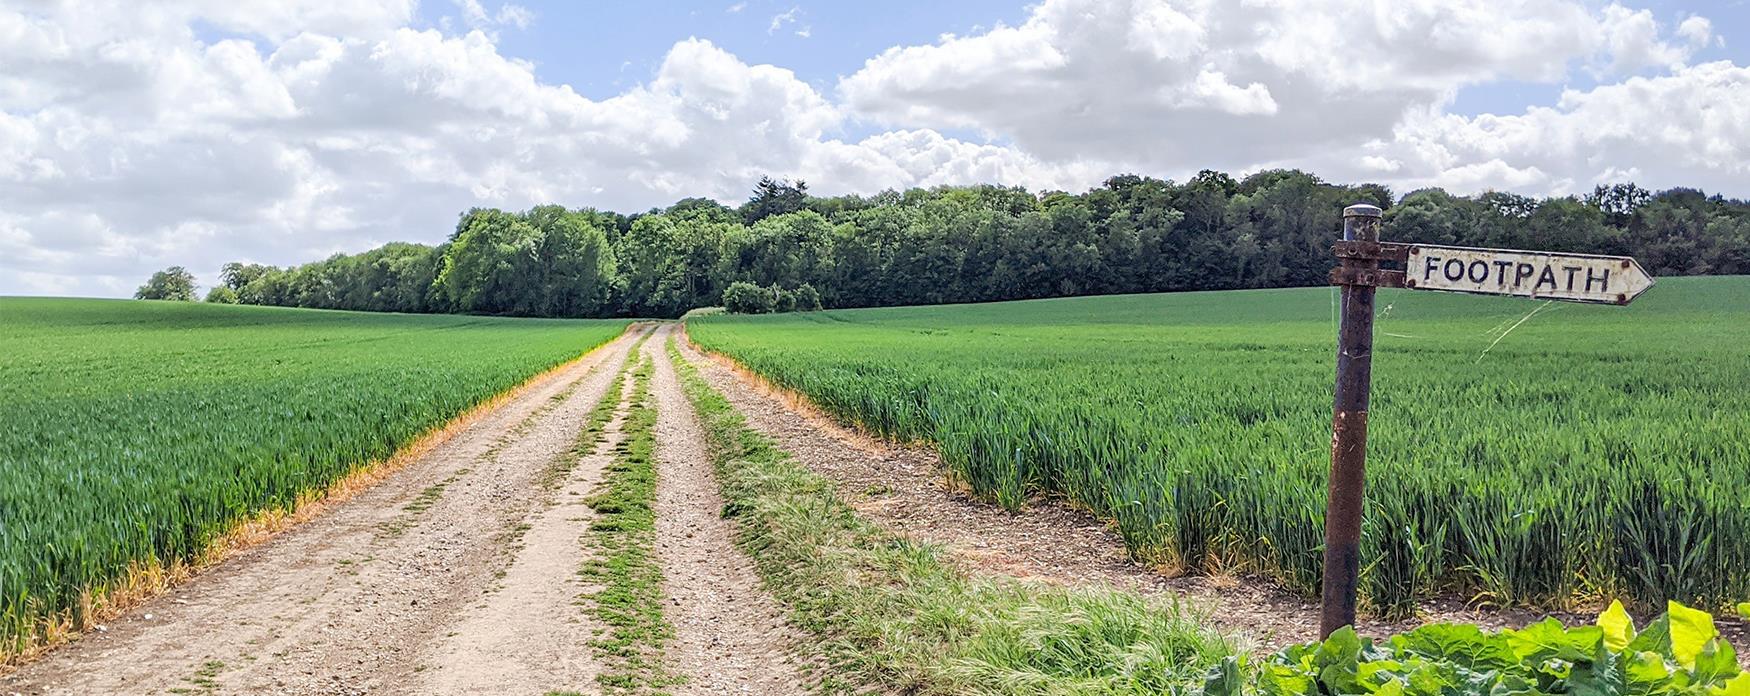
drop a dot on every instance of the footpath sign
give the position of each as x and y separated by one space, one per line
1615 280
1536 274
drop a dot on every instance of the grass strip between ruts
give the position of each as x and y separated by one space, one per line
629 602
595 425
889 613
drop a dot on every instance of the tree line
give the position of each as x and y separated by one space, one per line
785 249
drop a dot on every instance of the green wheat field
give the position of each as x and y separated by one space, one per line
1521 452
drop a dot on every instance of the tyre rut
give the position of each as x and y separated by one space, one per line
730 635
528 634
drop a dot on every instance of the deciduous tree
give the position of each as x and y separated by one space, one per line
173 283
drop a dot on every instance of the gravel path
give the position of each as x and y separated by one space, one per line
730 637
353 601
905 489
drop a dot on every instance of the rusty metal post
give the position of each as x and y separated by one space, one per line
1349 431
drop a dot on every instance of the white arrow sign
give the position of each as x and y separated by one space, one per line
1536 274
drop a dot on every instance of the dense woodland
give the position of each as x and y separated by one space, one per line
964 244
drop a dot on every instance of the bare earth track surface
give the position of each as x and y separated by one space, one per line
905 489
527 635
730 636
374 592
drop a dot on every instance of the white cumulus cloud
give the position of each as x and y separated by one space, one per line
126 146
1184 84
1689 128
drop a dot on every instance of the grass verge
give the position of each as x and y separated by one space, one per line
629 601
891 614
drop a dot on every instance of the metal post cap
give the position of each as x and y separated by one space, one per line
1361 210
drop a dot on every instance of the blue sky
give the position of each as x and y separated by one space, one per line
601 48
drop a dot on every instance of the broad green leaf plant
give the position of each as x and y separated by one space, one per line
1678 654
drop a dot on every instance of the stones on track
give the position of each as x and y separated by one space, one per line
730 635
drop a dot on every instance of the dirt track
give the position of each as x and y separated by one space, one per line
528 636
458 574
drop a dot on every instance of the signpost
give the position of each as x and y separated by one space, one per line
1535 274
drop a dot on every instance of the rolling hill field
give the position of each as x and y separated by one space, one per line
1522 453
640 517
